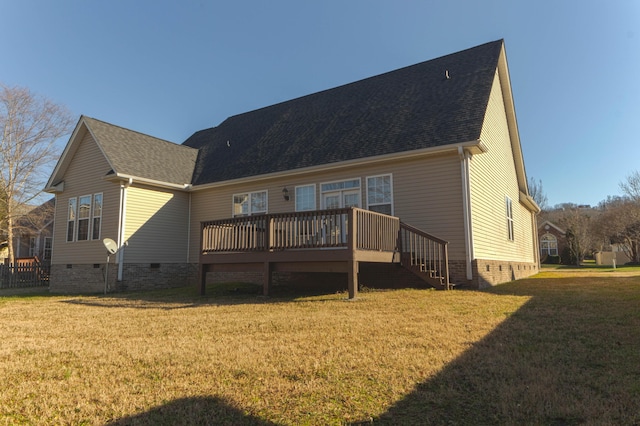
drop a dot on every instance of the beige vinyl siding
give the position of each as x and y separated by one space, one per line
493 177
85 176
426 194
156 225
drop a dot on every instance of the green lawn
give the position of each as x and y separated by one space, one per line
559 348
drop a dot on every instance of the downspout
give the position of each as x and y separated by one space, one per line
465 159
189 229
121 226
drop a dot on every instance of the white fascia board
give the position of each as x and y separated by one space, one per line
145 181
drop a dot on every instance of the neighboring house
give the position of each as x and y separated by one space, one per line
435 144
552 242
33 232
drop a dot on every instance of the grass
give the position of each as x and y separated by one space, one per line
559 348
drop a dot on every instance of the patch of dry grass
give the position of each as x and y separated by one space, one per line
543 350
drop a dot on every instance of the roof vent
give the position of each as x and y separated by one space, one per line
446 74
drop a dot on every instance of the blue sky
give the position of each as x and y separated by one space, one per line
171 68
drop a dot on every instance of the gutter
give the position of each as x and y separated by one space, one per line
473 147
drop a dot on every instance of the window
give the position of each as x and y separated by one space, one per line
84 212
97 217
509 206
548 245
32 246
340 194
305 198
84 219
71 218
46 253
250 203
380 194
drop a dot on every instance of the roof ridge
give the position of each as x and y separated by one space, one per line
360 80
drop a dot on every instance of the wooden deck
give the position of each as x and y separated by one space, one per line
319 241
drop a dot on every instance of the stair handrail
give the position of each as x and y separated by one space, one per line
442 261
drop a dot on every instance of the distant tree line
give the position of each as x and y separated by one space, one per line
615 220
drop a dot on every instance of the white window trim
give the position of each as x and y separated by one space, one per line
510 221
93 215
359 189
249 193
75 219
88 218
50 249
295 192
393 210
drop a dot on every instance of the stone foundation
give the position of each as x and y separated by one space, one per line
83 278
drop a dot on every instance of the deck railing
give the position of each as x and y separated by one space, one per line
338 228
302 230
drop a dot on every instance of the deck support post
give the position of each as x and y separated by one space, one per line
353 278
202 278
266 283
352 263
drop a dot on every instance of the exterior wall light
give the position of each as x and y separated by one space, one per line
285 193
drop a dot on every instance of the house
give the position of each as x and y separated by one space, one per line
420 167
33 233
553 242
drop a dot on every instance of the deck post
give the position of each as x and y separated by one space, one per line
266 283
353 279
352 268
202 277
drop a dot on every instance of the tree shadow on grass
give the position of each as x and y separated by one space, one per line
569 355
192 411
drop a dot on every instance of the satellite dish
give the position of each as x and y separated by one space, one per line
110 245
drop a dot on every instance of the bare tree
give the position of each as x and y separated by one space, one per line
580 235
620 224
631 187
537 193
30 127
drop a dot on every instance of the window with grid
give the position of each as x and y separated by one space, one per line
380 194
548 245
305 198
509 207
249 203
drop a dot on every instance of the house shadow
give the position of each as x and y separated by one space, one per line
555 360
192 411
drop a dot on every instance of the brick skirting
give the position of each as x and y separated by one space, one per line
83 278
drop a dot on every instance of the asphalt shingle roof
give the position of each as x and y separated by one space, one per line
137 154
407 109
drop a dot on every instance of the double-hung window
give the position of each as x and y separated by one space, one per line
46 253
509 207
249 203
305 198
97 217
84 214
380 194
71 219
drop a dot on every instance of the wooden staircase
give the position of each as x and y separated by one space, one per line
424 255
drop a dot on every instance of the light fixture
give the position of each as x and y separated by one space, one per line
285 193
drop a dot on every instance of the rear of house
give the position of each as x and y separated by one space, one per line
435 145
